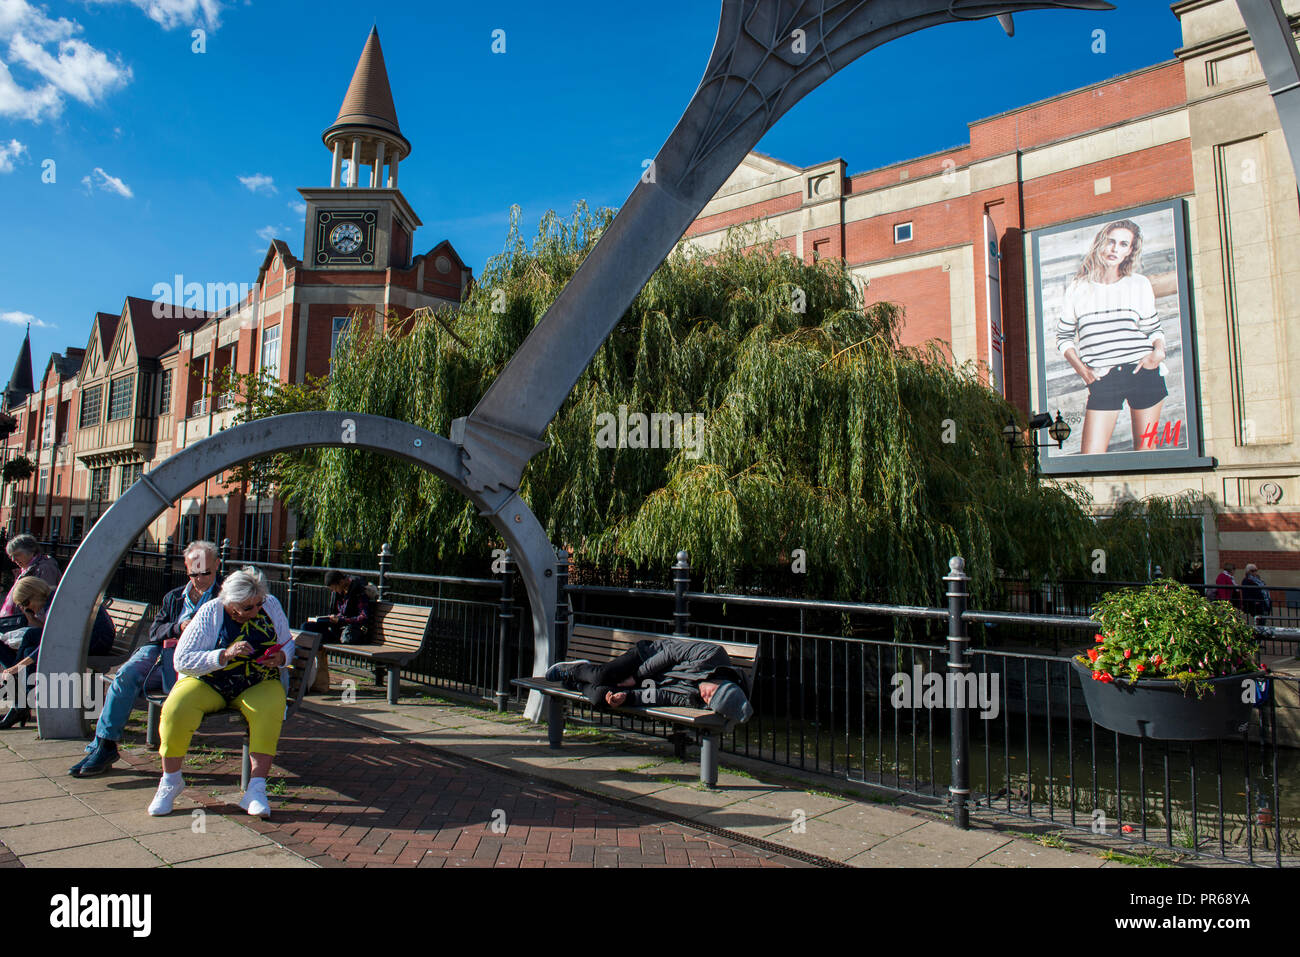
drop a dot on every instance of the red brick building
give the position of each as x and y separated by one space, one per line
1196 139
147 384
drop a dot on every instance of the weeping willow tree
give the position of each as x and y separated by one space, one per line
823 441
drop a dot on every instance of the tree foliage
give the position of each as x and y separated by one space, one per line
821 433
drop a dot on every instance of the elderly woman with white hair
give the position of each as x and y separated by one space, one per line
229 655
27 555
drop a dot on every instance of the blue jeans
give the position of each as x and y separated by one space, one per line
127 685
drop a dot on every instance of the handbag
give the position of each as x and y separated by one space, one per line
240 674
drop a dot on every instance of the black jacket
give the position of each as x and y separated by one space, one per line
167 623
677 666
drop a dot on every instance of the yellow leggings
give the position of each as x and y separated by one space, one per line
262 706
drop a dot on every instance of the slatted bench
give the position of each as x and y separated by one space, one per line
306 644
130 623
398 636
599 645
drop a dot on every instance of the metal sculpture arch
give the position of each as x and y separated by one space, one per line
768 55
67 629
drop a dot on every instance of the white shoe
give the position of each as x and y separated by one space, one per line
162 801
255 803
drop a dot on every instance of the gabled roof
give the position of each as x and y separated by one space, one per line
154 335
67 364
107 331
287 258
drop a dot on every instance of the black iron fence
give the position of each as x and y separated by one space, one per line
841 689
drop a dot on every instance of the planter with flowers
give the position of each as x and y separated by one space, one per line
1169 663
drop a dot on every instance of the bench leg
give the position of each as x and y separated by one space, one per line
394 685
152 738
554 721
709 760
245 768
679 739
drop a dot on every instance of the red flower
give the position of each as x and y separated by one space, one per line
1127 652
1158 660
1096 676
1105 677
1093 653
1141 668
1127 828
1098 638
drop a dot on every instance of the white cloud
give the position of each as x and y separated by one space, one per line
299 207
268 233
79 70
259 183
23 318
73 68
111 184
170 14
9 152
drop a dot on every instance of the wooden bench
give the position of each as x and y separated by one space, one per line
306 644
397 637
130 623
599 645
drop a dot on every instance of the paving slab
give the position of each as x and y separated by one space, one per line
19 813
219 837
1024 854
57 835
255 857
934 844
123 853
31 789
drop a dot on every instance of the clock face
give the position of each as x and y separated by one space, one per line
346 237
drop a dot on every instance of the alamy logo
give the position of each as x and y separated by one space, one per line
189 300
76 910
928 689
658 430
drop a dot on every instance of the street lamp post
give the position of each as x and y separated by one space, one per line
1059 430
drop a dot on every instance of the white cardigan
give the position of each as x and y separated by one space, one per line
197 652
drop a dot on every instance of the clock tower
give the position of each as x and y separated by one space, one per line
363 222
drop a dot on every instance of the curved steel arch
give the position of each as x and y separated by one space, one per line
66 637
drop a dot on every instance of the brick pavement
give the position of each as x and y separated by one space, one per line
358 799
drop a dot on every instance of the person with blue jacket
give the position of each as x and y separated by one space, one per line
153 659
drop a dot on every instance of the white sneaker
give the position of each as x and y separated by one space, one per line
254 801
162 801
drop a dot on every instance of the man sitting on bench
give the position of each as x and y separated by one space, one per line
669 671
349 625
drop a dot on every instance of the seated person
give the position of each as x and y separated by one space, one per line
230 655
677 672
348 625
19 647
152 663
27 555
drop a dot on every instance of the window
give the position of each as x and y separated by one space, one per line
55 527
44 482
90 406
99 479
165 395
903 233
341 324
78 527
47 426
58 484
215 528
129 475
271 351
120 394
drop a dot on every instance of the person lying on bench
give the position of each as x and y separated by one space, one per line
669 671
151 664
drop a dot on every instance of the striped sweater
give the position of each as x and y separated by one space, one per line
1109 324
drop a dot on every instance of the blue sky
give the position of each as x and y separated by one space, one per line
167 160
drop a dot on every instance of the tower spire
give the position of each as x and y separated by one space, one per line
21 382
366 131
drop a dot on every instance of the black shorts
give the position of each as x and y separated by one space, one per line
1141 389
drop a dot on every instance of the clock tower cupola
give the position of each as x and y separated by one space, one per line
362 221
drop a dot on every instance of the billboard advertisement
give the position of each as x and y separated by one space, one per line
1116 350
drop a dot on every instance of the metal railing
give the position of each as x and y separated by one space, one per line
835 694
200 407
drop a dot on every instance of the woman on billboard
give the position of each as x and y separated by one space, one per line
1109 333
